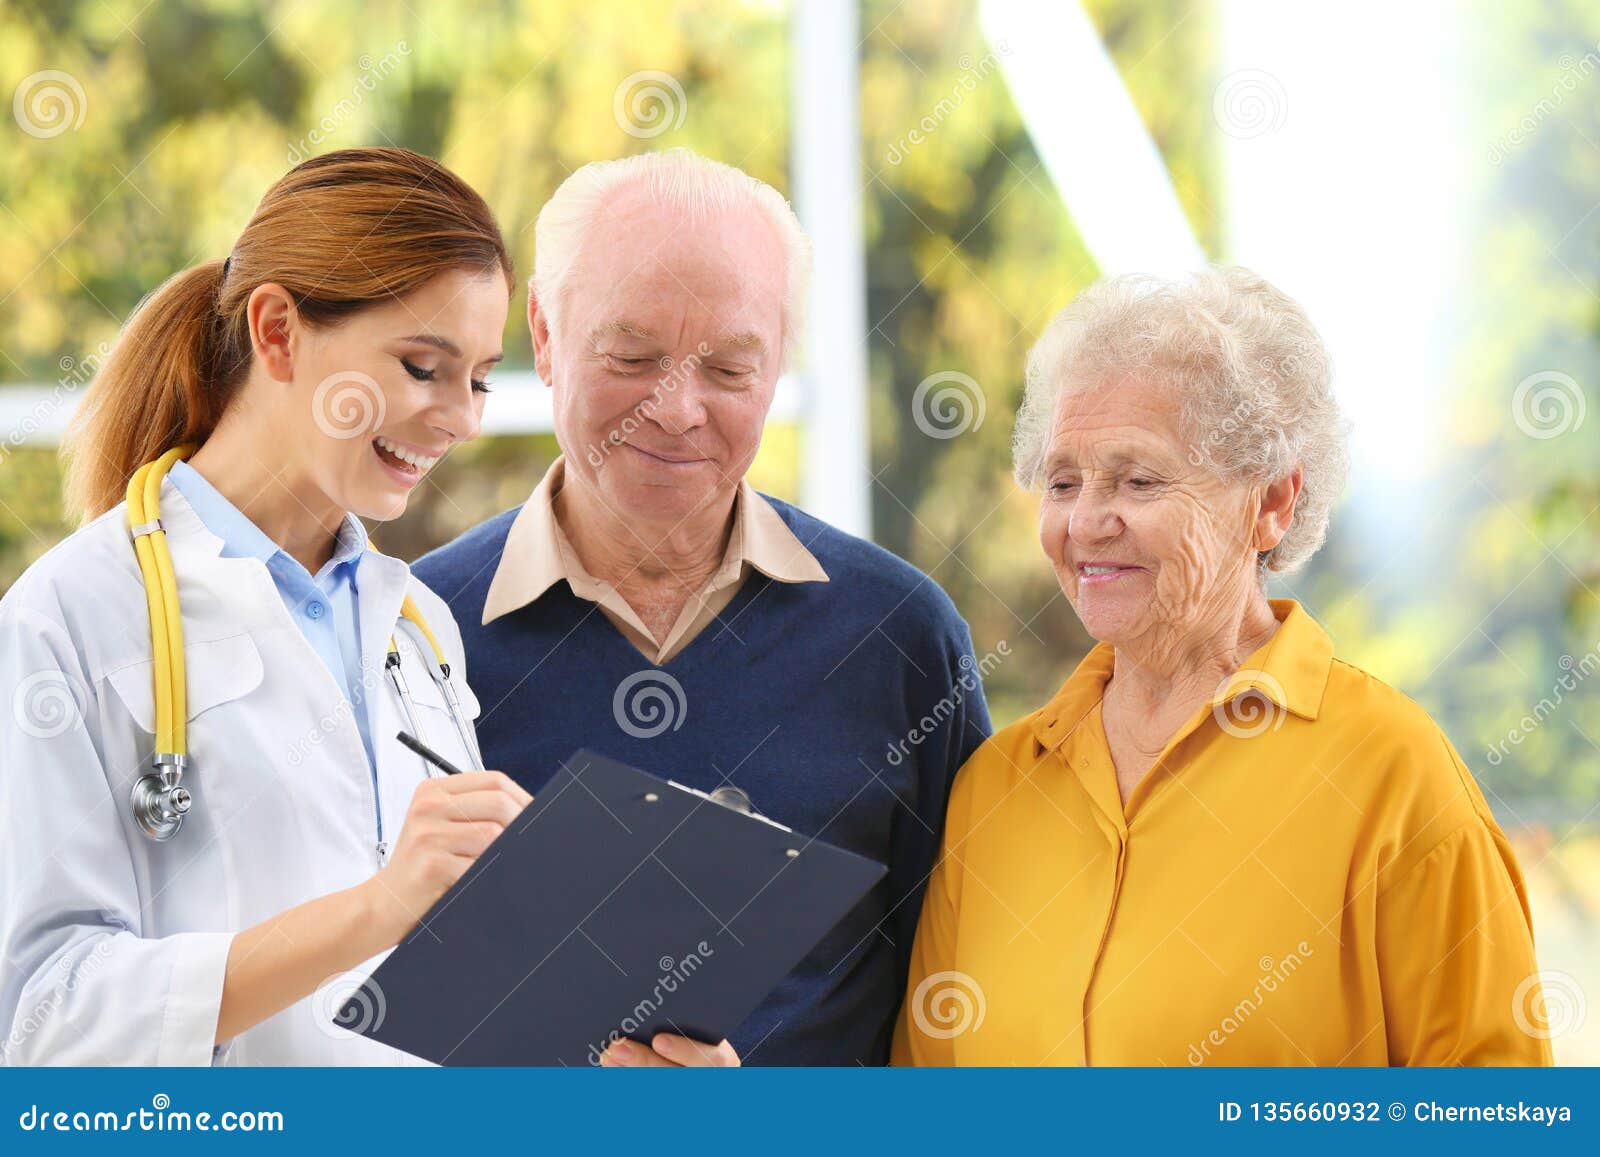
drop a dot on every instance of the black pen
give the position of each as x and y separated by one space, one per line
427 753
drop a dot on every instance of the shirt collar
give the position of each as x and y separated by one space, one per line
242 538
1290 669
537 554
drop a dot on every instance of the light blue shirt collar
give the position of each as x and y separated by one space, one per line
242 538
325 607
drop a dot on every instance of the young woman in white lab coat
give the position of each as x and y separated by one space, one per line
356 317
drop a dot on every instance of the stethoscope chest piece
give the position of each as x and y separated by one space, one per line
159 802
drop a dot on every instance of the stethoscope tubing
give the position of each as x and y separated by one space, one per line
158 801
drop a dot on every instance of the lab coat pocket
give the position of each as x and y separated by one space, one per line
217 671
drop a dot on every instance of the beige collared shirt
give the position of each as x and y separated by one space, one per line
538 554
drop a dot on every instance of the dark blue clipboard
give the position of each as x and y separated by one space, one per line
618 904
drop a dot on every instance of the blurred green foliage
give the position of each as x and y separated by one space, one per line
1508 622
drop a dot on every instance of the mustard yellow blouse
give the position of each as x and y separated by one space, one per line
1308 875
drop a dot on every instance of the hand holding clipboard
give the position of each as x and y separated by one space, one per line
618 905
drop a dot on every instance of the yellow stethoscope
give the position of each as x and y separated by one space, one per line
159 800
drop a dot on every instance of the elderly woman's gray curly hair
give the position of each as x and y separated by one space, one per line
1253 380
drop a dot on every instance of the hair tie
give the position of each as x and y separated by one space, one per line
226 261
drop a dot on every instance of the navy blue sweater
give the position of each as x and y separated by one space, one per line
843 709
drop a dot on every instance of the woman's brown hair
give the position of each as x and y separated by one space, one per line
340 232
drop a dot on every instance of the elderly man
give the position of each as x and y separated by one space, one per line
648 603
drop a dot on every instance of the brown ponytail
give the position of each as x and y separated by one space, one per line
340 232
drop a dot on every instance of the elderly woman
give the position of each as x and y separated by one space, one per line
1217 844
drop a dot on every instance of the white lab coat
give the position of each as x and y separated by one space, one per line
113 946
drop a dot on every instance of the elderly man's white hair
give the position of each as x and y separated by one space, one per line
696 185
1253 380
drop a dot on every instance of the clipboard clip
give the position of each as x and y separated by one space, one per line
732 798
